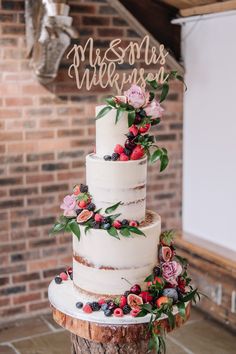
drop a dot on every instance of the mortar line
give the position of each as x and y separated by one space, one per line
10 345
176 342
50 326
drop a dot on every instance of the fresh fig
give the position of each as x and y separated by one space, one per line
134 301
165 253
171 293
84 216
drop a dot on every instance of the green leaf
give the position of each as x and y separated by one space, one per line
112 208
164 92
103 112
87 228
149 278
111 101
131 118
157 154
181 308
135 230
156 342
171 319
119 113
147 307
153 84
180 78
151 96
164 162
124 231
114 217
58 227
189 296
142 313
155 121
74 227
113 232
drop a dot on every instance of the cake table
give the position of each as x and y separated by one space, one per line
96 334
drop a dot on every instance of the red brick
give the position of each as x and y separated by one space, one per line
26 298
39 178
19 101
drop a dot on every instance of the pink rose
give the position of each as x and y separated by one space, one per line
154 109
136 96
68 205
170 271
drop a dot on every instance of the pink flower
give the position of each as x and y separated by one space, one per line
154 109
68 205
136 96
171 271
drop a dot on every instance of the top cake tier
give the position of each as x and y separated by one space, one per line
109 133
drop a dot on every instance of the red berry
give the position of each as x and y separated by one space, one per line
63 276
145 128
82 204
123 301
69 270
133 129
135 312
133 223
118 312
119 149
137 153
101 301
124 157
87 308
76 190
146 296
98 217
117 224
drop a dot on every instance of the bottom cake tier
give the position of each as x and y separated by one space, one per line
104 265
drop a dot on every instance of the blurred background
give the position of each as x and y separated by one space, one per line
47 127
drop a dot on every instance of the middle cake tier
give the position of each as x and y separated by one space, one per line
110 182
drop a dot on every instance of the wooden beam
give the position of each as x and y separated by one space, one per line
210 8
183 4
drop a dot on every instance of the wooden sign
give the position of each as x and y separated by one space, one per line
102 70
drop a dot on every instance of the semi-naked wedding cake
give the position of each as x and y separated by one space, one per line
103 264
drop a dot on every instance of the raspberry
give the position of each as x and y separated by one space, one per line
123 301
118 312
117 224
133 223
87 308
119 149
135 312
101 301
98 217
134 130
95 306
124 157
145 128
126 309
63 276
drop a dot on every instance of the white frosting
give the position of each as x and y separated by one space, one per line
112 181
108 134
132 258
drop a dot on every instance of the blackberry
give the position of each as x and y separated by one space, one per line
127 152
106 226
157 271
104 307
91 207
142 113
106 220
95 306
96 225
138 119
58 280
130 144
126 293
107 158
112 306
126 309
130 136
125 222
108 313
78 211
79 305
83 188
115 156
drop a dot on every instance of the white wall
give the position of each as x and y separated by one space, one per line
209 189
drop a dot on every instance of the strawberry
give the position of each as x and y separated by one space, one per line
82 204
101 301
162 300
118 312
87 308
63 276
146 296
134 130
122 302
137 153
124 157
133 223
98 217
76 190
119 149
135 312
145 128
117 224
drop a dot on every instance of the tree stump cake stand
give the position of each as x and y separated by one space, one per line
97 334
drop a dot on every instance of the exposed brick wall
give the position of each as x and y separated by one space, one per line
45 134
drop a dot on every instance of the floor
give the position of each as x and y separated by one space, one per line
41 335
